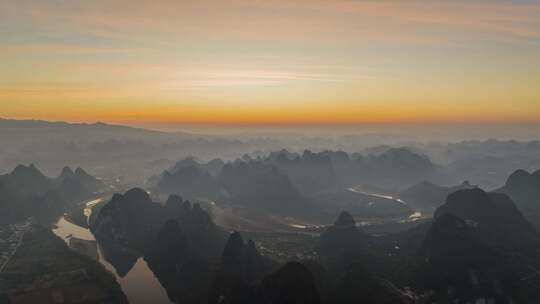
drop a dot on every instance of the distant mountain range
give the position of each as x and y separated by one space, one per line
13 125
18 133
111 150
290 183
135 154
394 168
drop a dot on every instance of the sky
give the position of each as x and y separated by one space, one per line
281 62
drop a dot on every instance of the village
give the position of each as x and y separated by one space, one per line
11 237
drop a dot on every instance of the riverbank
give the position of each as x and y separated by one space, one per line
44 270
139 284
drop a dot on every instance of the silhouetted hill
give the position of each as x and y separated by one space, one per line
291 284
290 184
360 286
427 196
395 168
253 184
458 266
492 214
27 192
241 269
183 273
258 185
86 179
77 184
524 189
27 180
128 220
189 181
212 167
479 247
132 225
183 252
390 168
243 260
398 168
124 228
342 238
309 172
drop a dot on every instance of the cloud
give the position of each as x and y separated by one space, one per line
514 18
294 22
61 49
236 77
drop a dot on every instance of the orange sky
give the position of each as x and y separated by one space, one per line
270 62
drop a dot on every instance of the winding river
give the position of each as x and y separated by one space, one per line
140 285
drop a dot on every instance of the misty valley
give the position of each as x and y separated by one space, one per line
264 220
269 152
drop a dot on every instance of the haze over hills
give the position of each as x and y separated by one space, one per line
26 192
324 226
427 196
524 188
105 149
270 152
134 154
465 253
471 246
310 185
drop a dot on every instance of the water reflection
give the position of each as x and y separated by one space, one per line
122 259
138 281
84 247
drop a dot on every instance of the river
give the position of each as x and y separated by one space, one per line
140 285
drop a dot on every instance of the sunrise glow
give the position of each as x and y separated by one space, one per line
270 62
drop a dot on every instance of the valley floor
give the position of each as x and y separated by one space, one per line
42 269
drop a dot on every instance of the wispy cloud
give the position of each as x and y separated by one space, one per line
241 78
289 51
341 22
269 76
62 49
